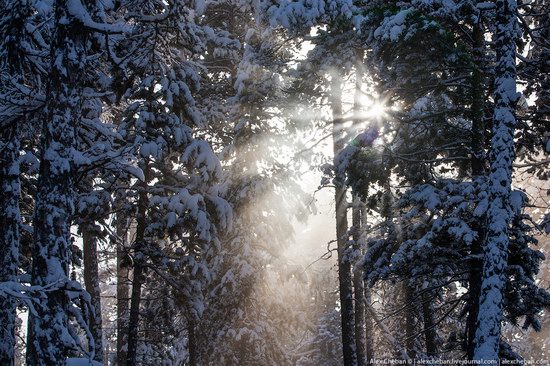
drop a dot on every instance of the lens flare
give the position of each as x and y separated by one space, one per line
377 109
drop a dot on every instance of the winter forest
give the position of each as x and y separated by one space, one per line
274 182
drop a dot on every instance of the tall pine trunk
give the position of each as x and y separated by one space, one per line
429 325
138 272
499 213
369 329
91 282
192 343
359 290
357 220
122 292
9 237
48 336
408 291
344 266
478 169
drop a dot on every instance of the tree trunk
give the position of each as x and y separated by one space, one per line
138 272
344 265
48 336
369 330
409 320
9 237
358 286
122 293
478 169
499 213
429 326
91 282
478 122
357 221
192 344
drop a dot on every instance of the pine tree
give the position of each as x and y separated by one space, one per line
175 204
500 211
22 92
49 339
12 22
87 146
422 141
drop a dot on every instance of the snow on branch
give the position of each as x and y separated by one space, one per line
77 10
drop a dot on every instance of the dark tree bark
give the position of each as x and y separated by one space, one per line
369 330
478 99
138 270
359 293
357 221
409 319
122 292
429 326
344 265
91 282
192 344
47 337
9 237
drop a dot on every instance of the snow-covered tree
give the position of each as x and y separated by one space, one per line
13 18
175 203
501 206
442 98
49 337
